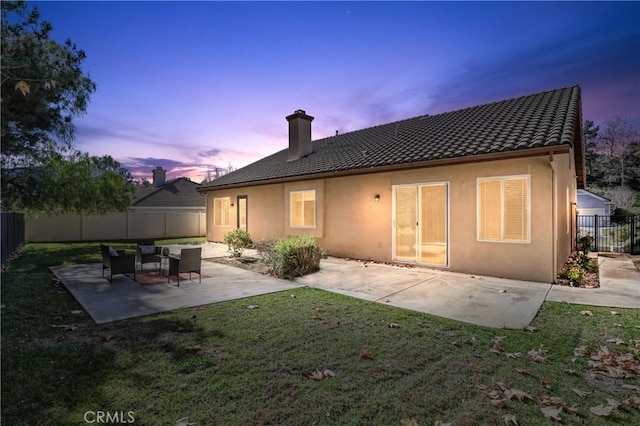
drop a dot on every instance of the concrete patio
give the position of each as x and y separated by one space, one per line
486 301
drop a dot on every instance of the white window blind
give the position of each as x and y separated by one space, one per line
221 211
503 208
302 209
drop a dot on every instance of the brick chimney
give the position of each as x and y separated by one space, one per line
159 176
299 135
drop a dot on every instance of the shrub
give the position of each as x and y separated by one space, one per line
236 241
290 257
574 273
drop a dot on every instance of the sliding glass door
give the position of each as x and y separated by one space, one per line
420 223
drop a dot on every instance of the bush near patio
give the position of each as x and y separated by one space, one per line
225 364
237 241
292 256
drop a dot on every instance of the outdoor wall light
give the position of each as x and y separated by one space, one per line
376 198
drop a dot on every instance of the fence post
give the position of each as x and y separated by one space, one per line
597 236
632 235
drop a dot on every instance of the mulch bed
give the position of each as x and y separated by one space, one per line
591 279
253 264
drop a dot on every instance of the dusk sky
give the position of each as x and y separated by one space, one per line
194 85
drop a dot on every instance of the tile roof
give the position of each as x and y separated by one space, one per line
541 120
180 192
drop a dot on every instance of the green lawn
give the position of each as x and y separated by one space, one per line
227 364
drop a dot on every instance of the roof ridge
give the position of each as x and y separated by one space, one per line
536 94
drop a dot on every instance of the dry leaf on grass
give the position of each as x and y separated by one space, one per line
182 329
616 324
66 327
631 387
439 423
496 348
615 364
394 325
552 413
601 410
537 355
545 384
513 354
366 354
253 306
581 351
517 394
321 375
408 422
586 313
108 338
184 422
523 371
614 313
529 328
77 311
193 349
632 401
498 403
461 342
616 341
316 317
581 392
510 419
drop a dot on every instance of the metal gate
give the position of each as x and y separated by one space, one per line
619 234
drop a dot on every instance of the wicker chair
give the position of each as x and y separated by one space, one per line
190 260
119 263
148 252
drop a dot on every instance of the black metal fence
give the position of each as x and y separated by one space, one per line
619 234
12 234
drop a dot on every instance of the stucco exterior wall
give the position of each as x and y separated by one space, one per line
351 224
566 199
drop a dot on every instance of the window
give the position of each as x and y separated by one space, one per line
503 209
302 209
221 211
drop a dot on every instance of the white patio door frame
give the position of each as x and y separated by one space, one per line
417 251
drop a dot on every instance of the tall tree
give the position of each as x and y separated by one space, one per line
614 144
43 89
595 173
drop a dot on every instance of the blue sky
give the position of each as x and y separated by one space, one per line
194 85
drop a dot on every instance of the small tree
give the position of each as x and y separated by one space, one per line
237 241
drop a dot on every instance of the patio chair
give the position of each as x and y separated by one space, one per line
190 260
148 252
117 262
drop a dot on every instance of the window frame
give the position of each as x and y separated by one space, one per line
315 207
502 208
228 215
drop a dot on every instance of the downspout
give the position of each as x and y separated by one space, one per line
554 231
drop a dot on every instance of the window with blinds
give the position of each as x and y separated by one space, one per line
503 209
302 205
221 211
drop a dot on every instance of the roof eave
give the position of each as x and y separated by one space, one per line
531 152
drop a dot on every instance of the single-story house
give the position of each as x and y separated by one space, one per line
489 189
590 204
164 209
